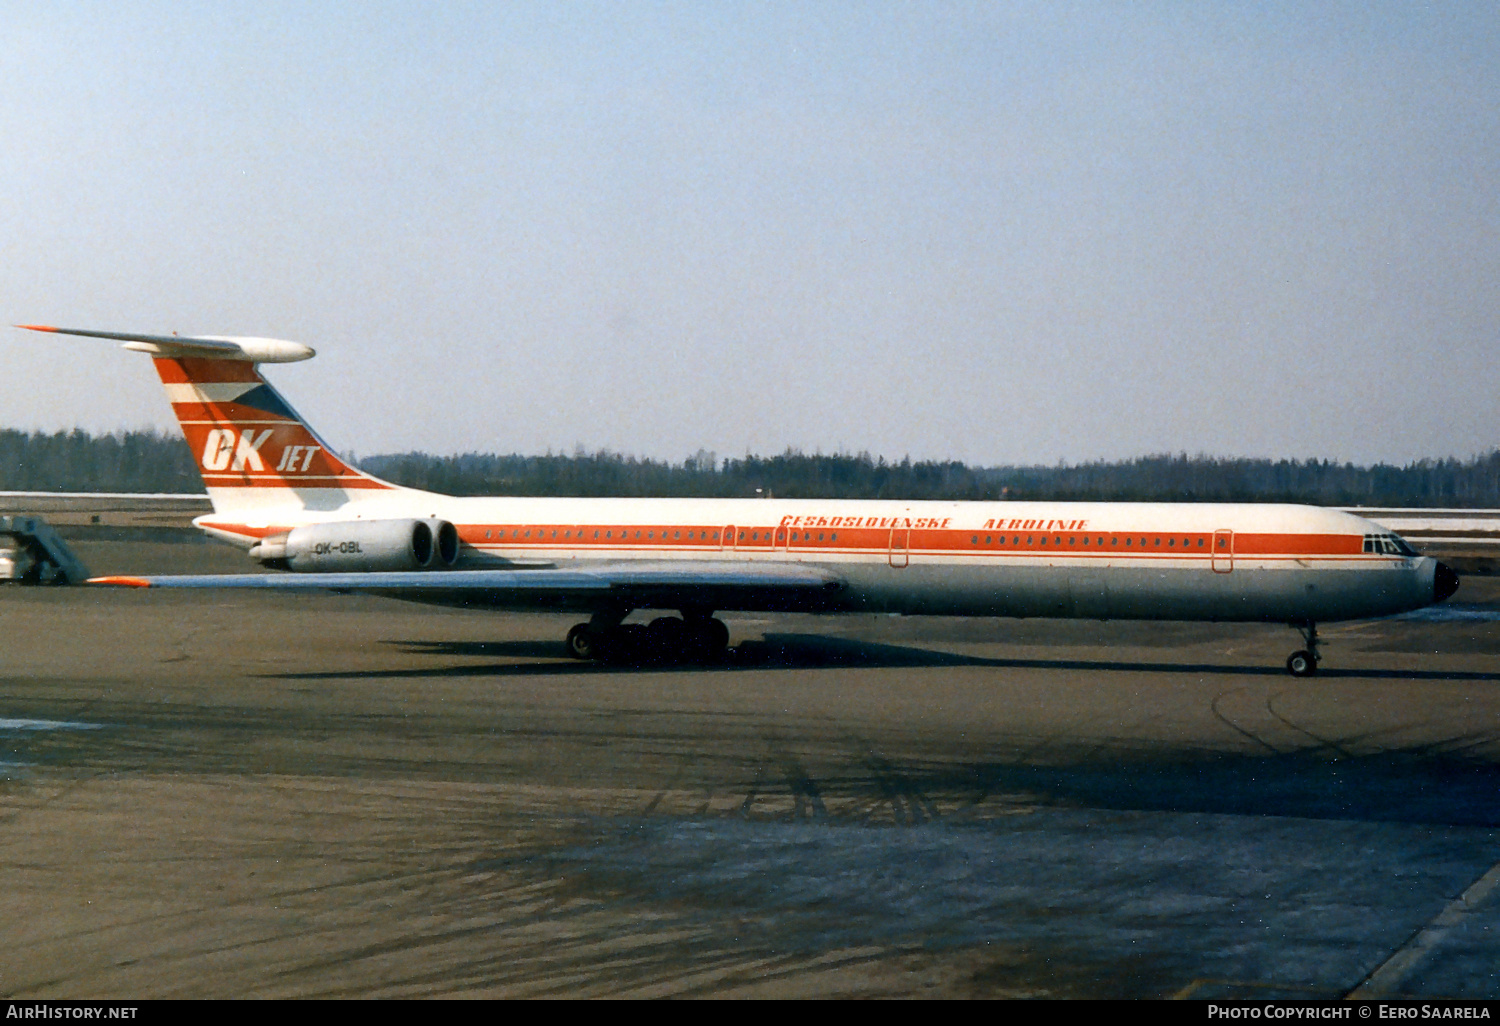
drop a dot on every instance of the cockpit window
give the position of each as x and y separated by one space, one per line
1388 544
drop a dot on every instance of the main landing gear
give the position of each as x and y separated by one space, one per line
1304 662
696 637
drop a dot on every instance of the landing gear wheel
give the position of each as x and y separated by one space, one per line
626 645
667 628
1301 663
705 639
581 643
1304 661
716 635
664 640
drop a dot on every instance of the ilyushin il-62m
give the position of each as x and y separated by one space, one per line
282 494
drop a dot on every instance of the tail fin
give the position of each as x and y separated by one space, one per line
252 448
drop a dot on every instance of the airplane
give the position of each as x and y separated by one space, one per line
294 505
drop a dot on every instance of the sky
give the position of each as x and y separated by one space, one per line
1005 233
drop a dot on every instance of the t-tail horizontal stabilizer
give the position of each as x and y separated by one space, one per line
207 347
255 453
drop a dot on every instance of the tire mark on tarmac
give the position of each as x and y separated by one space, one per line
407 883
1219 712
910 806
1323 742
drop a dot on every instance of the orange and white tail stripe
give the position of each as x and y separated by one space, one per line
252 448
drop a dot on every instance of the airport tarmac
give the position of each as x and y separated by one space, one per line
239 795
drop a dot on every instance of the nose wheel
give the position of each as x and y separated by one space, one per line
1304 662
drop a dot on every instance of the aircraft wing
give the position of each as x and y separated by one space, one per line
671 584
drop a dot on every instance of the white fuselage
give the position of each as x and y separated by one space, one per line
1181 561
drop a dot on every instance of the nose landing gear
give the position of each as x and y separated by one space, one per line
1304 662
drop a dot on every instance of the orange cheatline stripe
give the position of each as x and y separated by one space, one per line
122 581
1141 544
193 371
245 529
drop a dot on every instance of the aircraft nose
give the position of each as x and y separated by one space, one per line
1444 582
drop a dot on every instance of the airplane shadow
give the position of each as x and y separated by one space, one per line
811 652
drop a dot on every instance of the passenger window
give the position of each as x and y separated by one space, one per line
1129 542
1072 540
1171 543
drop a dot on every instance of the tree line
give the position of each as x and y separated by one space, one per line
149 461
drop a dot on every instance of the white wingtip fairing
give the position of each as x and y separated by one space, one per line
213 347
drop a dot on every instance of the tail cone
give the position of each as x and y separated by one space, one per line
1444 582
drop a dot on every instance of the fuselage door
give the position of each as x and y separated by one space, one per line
726 540
781 538
1223 555
900 553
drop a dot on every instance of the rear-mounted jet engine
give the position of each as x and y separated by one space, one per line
362 545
